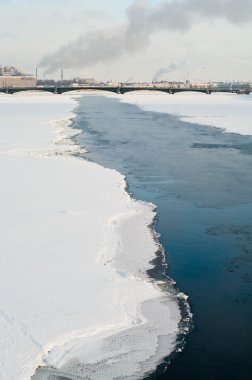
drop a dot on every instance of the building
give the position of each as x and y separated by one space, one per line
10 76
84 81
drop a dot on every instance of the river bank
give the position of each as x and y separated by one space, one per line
75 295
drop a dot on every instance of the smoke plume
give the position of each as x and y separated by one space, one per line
143 20
167 70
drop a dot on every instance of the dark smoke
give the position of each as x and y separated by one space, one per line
143 21
167 70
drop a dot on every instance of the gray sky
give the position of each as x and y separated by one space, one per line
129 39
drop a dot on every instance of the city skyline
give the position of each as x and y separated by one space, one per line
213 46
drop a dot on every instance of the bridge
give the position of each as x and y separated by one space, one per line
115 89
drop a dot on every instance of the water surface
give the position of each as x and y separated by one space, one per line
200 179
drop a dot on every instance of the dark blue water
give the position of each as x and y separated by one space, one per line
200 179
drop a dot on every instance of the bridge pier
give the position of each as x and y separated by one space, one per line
8 91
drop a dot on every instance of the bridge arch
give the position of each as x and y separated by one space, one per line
144 91
191 92
15 90
62 90
83 91
26 91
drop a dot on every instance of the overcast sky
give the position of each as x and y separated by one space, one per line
129 40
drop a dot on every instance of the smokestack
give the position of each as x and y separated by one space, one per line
36 72
62 75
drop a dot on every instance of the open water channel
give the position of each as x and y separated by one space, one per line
201 182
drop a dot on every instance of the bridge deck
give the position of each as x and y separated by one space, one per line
117 90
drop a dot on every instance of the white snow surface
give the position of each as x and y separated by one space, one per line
230 112
75 248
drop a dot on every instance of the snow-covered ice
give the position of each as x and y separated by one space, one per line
75 248
230 112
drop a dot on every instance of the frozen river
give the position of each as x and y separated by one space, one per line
75 296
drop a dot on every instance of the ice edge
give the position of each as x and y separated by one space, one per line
155 271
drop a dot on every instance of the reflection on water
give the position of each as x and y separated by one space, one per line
200 179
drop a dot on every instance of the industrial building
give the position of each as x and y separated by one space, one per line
10 76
